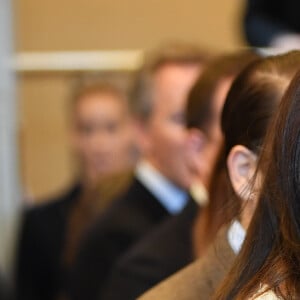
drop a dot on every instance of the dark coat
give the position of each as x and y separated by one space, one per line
5 289
199 280
39 272
164 251
127 220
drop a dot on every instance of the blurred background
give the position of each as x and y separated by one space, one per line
48 26
51 43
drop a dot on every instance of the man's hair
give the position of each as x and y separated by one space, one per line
199 111
142 89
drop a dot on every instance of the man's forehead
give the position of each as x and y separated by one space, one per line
174 69
99 100
172 79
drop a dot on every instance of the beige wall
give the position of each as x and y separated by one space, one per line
46 163
114 24
96 25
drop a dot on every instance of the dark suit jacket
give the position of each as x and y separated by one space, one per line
164 251
265 19
199 280
124 223
42 236
5 290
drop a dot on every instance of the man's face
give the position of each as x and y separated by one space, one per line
101 135
215 138
165 130
203 153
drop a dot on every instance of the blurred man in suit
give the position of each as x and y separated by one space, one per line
162 176
169 247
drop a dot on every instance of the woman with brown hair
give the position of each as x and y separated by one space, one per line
268 266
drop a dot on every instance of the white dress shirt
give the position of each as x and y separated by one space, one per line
170 196
236 235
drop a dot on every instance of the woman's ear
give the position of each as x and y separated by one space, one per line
241 164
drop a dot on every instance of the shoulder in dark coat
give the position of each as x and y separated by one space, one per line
39 252
127 220
164 251
5 289
199 280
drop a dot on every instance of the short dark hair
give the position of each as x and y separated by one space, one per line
199 110
175 53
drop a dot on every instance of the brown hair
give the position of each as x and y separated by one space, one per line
250 104
199 110
175 53
271 251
